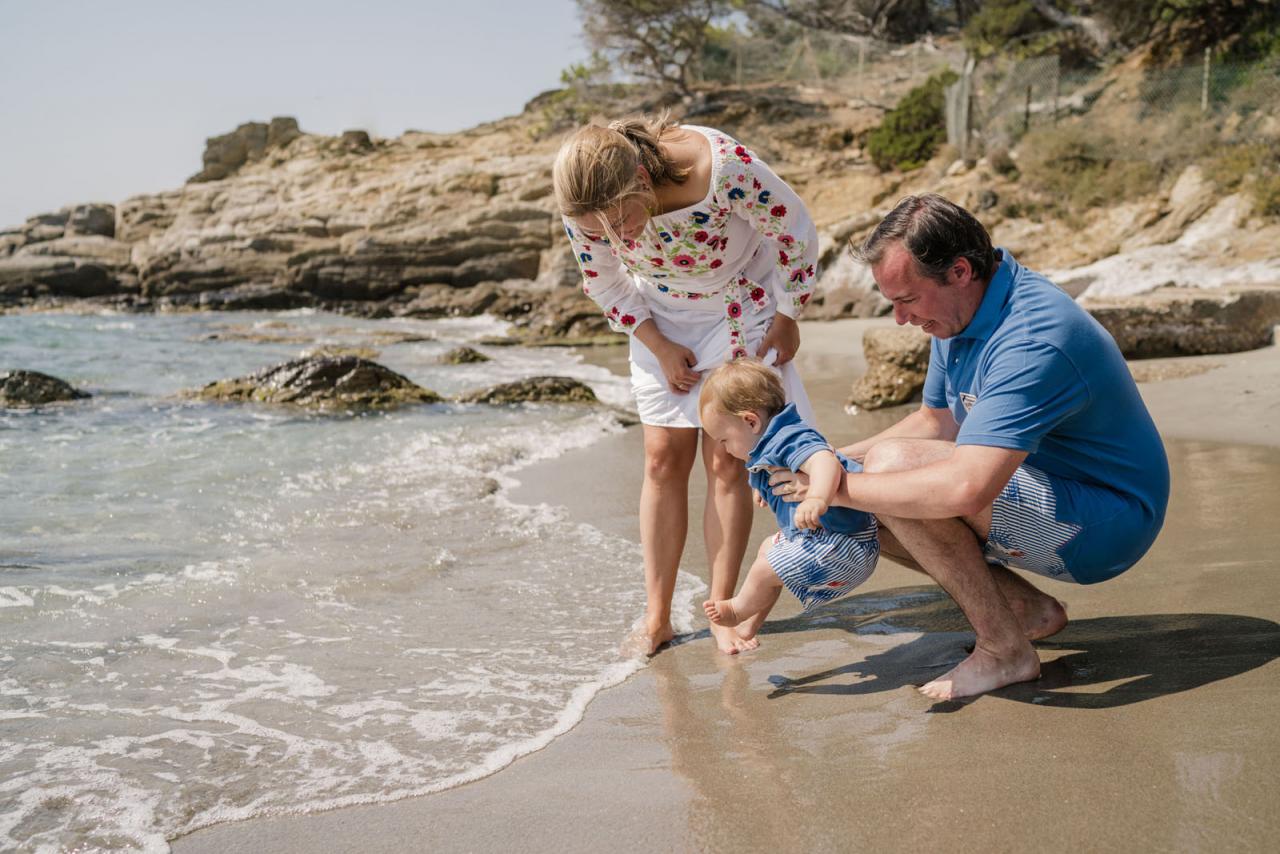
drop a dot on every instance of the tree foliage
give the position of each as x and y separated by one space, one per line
659 40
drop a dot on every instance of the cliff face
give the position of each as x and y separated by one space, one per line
430 224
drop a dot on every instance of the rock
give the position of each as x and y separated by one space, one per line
344 382
463 356
251 298
1189 321
24 389
26 277
846 289
897 361
225 155
99 219
534 389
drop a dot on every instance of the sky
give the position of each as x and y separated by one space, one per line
101 101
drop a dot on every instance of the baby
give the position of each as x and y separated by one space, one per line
820 552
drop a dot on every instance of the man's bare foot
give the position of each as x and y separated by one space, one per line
721 612
1039 617
647 639
984 671
728 642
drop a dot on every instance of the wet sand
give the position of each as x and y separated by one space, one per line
1153 726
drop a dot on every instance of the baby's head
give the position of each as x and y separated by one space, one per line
738 400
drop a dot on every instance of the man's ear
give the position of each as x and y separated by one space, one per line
960 272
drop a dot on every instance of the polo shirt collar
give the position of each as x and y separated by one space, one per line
994 300
786 417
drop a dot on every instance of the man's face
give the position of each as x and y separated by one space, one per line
737 434
942 311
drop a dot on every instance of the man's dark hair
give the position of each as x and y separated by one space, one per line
936 232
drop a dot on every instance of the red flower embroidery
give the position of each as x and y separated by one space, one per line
657 262
757 294
742 154
804 298
786 240
783 258
735 309
755 183
716 262
628 320
683 261
778 210
700 236
590 273
738 353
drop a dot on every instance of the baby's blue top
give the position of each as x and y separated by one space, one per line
787 441
1034 372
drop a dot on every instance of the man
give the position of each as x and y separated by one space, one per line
1033 449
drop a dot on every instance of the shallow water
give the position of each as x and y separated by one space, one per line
213 612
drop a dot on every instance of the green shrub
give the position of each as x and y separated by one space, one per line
912 131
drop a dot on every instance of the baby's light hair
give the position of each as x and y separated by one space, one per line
743 385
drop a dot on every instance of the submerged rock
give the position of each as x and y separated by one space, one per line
540 389
897 361
463 356
22 389
323 382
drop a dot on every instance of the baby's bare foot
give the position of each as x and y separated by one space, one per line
720 612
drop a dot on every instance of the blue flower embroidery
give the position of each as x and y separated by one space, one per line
568 231
701 218
666 238
584 257
764 197
737 193
663 289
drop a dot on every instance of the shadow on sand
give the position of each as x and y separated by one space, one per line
1104 662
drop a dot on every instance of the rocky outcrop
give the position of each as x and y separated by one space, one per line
325 383
224 155
897 361
25 389
1189 321
534 389
463 356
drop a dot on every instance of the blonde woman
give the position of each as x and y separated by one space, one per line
692 246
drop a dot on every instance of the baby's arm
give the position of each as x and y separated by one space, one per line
824 472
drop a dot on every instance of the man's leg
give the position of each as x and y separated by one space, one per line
1039 614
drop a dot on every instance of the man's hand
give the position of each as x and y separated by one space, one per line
792 486
783 336
809 513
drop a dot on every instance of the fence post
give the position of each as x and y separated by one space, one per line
1204 88
862 55
738 56
1026 113
1057 87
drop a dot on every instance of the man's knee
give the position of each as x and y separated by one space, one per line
903 454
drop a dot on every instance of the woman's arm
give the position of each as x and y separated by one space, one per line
773 209
606 280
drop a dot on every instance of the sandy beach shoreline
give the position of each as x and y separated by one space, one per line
1152 727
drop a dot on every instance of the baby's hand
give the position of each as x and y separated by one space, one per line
809 513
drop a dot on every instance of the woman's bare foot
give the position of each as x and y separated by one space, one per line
728 642
647 639
984 671
721 612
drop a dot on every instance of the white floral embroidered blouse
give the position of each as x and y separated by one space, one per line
703 251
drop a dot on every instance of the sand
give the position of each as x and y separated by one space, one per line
1152 728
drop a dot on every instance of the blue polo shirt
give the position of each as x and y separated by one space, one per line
788 441
1034 372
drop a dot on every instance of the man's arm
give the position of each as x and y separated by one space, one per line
924 423
964 484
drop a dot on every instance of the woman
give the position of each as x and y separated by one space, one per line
700 253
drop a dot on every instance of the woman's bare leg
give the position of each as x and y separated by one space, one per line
669 453
726 526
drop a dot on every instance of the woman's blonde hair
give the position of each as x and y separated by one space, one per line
596 168
743 385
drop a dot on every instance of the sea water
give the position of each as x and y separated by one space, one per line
211 612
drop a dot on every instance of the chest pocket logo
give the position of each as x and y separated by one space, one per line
967 400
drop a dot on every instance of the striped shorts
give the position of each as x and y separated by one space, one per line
1065 529
818 565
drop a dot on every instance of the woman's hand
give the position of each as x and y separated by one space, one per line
783 336
792 486
677 363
